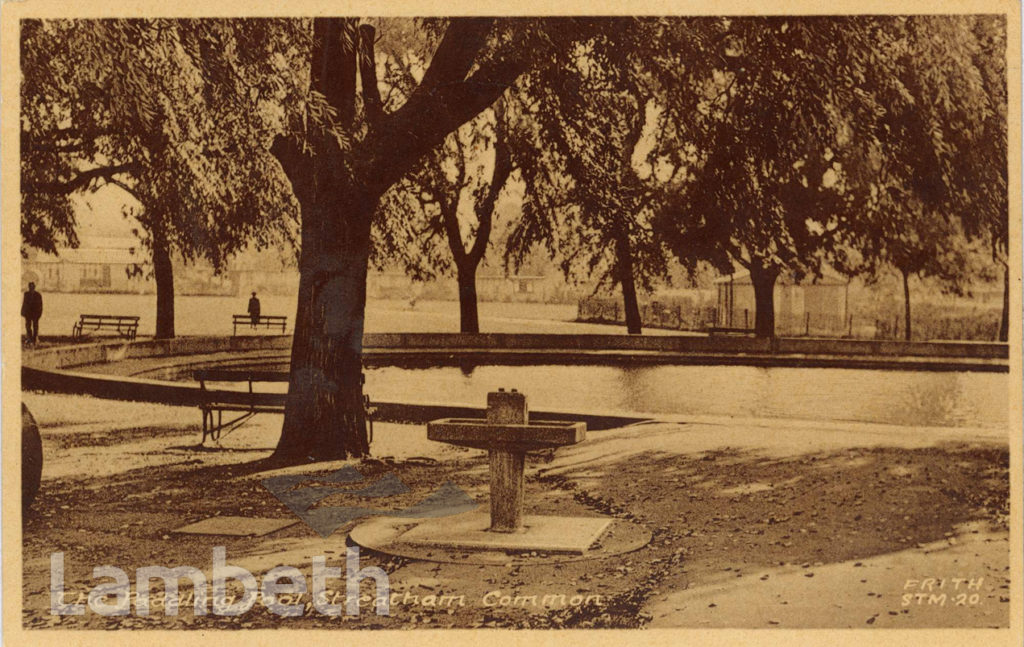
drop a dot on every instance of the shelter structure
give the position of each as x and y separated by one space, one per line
813 306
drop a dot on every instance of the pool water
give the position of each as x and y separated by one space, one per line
940 399
893 397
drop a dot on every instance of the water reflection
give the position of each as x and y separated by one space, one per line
895 397
945 399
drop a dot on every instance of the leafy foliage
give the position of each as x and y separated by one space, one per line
440 215
765 137
797 140
178 113
587 197
940 168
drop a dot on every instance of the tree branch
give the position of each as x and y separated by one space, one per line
130 190
450 218
368 74
334 64
460 164
454 57
80 181
443 102
503 168
635 129
296 164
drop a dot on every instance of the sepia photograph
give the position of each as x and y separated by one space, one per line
699 322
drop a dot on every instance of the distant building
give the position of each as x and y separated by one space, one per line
820 305
199 279
99 265
271 281
514 287
495 287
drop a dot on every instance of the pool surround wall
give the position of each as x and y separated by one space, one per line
497 348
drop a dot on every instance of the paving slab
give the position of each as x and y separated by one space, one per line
236 526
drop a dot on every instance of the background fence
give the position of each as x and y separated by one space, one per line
672 314
928 321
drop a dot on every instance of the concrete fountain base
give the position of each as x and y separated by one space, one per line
549 534
465 539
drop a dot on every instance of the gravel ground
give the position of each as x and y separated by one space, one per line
755 523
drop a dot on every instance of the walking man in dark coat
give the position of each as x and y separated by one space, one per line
32 309
254 310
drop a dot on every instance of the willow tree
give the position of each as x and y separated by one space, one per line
787 162
589 193
363 145
985 165
127 103
438 219
939 183
766 142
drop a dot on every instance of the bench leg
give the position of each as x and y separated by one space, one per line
210 430
215 431
368 416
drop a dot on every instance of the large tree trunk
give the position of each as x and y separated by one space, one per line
624 269
338 182
163 272
469 321
1004 319
325 417
906 305
763 280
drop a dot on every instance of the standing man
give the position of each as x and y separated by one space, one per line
254 310
32 309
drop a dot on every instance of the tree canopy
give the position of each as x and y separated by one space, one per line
771 142
178 113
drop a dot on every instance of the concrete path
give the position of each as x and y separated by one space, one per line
917 587
952 583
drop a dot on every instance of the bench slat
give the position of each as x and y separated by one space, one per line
241 407
242 398
263 321
229 375
243 402
109 317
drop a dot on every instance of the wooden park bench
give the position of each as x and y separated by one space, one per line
125 326
264 321
245 404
